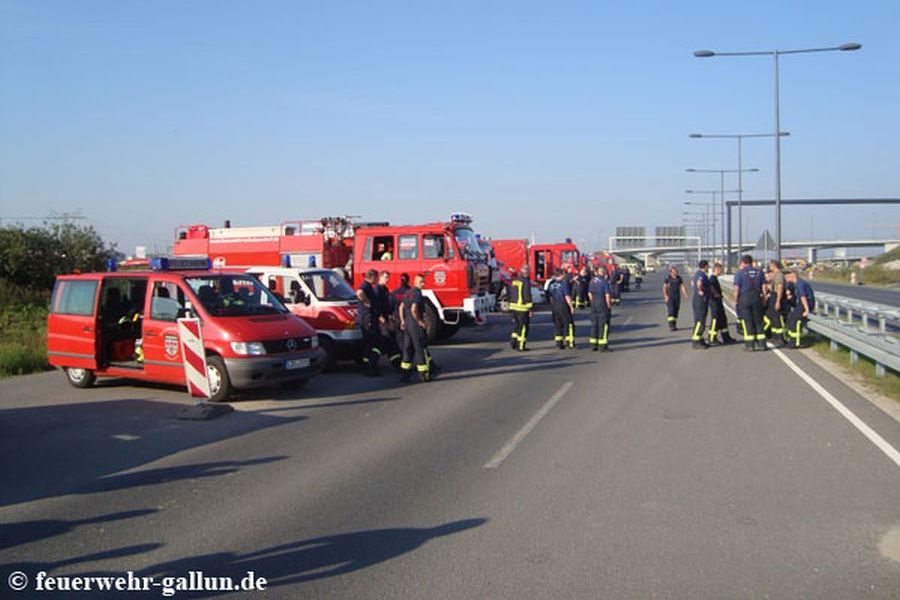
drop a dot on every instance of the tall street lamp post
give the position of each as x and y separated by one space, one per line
740 139
726 249
776 54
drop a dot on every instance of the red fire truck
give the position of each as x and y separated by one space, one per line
542 258
447 253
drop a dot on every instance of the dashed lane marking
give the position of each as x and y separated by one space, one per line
515 440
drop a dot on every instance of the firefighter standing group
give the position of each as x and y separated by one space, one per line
566 294
772 305
393 324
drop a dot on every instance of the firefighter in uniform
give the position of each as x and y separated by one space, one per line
774 318
387 326
397 302
561 304
601 311
748 298
412 322
520 305
580 288
804 302
673 290
700 303
719 324
368 323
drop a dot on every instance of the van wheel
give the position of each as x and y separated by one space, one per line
432 322
80 378
219 384
327 345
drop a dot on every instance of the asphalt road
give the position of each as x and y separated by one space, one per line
866 293
651 471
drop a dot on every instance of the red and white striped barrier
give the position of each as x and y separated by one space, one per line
194 357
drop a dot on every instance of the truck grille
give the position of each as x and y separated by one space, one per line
281 346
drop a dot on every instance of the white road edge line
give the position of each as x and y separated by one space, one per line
845 412
515 440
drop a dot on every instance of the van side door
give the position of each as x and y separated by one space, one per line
72 336
162 350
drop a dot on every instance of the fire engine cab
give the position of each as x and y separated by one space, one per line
546 258
448 253
124 324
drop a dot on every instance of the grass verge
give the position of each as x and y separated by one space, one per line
889 385
23 340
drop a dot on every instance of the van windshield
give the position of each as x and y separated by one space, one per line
234 296
327 286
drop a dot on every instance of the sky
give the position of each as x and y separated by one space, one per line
545 119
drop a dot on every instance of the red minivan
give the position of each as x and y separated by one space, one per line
124 324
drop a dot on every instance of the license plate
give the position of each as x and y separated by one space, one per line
297 363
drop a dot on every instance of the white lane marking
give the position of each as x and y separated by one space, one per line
515 440
845 412
628 320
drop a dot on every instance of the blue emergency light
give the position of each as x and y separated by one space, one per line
111 265
286 260
181 263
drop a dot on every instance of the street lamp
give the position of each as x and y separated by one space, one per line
775 54
726 251
740 139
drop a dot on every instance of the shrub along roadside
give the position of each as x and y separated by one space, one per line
23 343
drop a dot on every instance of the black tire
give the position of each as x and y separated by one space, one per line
432 322
219 382
447 331
329 362
80 378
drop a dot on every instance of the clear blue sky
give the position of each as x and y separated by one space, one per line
559 119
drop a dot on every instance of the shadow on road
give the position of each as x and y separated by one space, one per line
316 558
42 445
16 534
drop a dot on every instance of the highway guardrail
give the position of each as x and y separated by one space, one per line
861 327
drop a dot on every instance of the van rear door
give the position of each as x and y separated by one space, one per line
72 339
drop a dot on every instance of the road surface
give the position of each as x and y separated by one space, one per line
651 471
866 293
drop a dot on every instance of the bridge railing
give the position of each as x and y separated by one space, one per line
864 328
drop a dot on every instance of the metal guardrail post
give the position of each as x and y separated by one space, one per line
882 324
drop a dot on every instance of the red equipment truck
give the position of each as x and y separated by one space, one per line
448 254
542 258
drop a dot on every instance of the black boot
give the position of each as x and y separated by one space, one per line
406 376
749 347
761 345
594 347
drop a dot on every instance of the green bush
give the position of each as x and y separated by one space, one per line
23 330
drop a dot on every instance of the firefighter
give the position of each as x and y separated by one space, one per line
748 298
580 288
700 303
520 305
368 323
397 295
412 322
774 319
804 302
560 293
601 311
673 290
719 324
617 282
387 326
